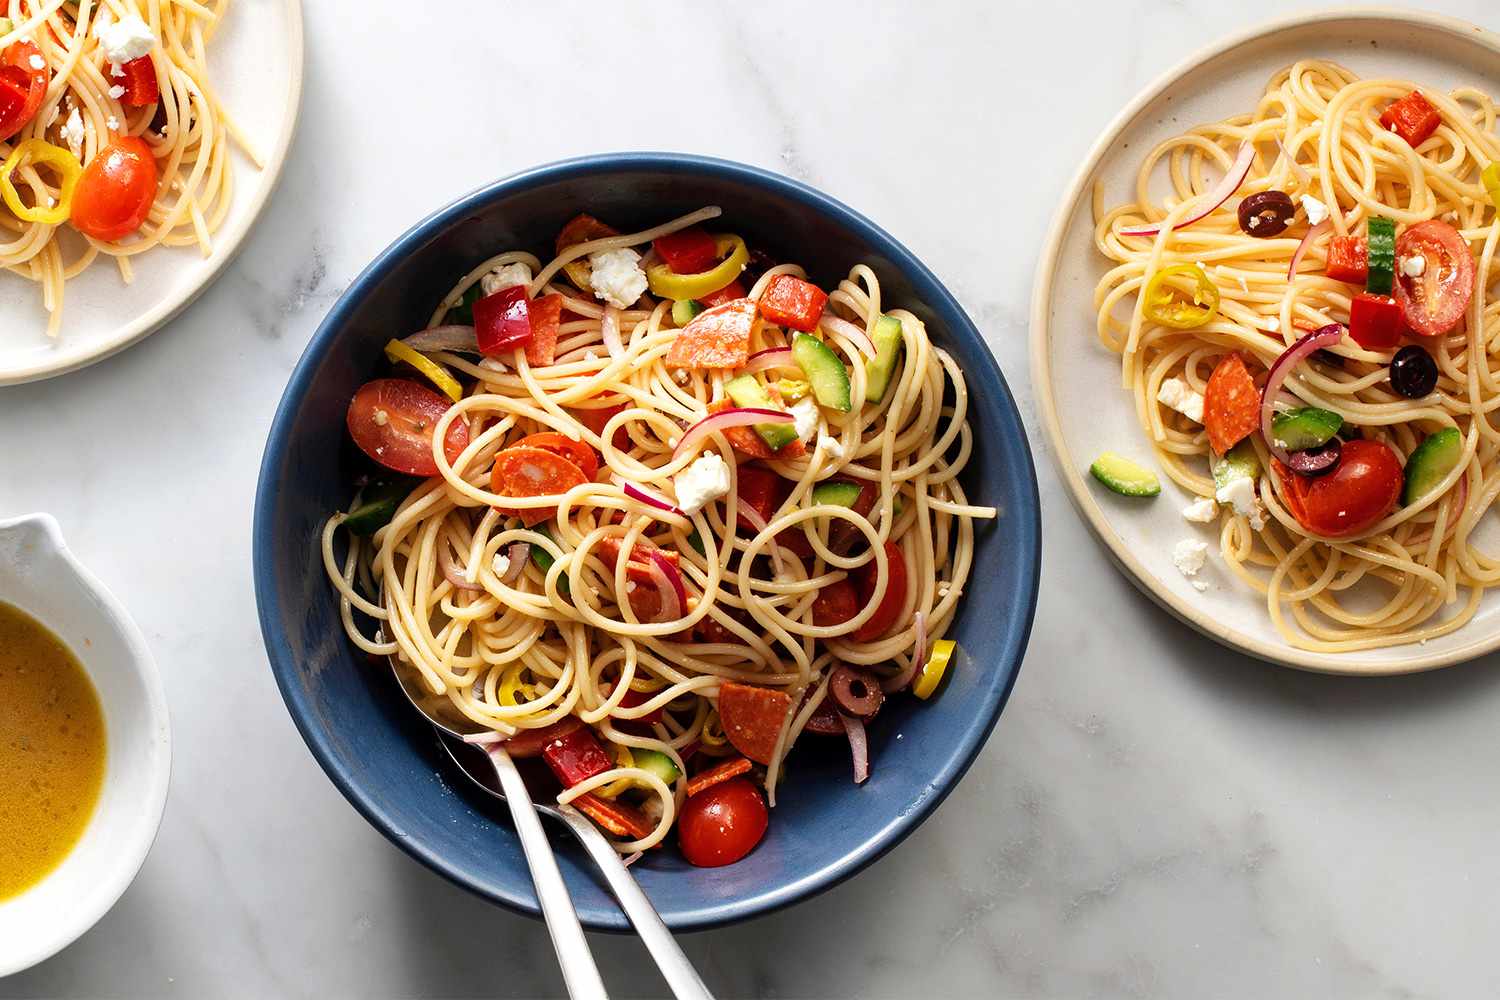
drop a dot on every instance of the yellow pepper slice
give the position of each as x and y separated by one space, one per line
1491 178
932 672
1165 303
510 684
623 758
436 373
668 284
44 153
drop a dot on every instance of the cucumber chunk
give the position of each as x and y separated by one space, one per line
1124 476
745 390
1309 427
840 493
1381 254
825 372
378 506
1430 463
1240 462
683 311
880 368
657 763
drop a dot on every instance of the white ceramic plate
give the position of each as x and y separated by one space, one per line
1083 408
256 62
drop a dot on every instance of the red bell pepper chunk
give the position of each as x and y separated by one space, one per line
1348 259
690 251
792 302
502 321
1413 118
730 292
576 756
1375 321
140 83
633 698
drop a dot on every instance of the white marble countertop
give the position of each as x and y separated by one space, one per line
1154 816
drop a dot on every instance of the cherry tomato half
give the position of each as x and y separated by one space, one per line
23 84
1356 495
722 824
115 193
1434 301
392 420
895 594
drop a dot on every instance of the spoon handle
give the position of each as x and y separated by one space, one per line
580 974
674 965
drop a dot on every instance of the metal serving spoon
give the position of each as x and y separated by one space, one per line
491 768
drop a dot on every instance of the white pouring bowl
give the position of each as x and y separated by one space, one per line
41 577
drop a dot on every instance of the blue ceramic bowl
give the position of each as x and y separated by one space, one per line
383 756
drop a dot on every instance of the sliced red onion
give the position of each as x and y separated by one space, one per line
642 495
481 739
1305 245
1219 195
668 583
631 859
1298 171
859 746
460 339
1316 461
843 327
1327 336
758 524
734 416
450 569
855 691
519 553
776 357
918 657
609 329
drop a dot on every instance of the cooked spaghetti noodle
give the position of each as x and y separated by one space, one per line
519 647
90 104
1414 573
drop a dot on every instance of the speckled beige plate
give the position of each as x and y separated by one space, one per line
256 60
1082 406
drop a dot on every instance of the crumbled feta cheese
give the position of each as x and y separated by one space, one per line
116 92
707 479
617 277
382 418
37 62
1189 555
1239 493
505 276
72 132
1414 266
1254 222
1273 324
112 123
502 564
494 365
680 376
806 414
1315 209
589 355
1201 511
126 39
1177 394
831 446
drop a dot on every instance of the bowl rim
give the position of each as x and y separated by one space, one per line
1025 509
154 785
1093 515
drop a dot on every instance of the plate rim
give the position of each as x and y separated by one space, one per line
225 252
1039 339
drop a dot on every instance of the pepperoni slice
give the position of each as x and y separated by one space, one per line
595 420
1231 404
752 718
715 338
616 817
532 472
576 452
546 315
714 775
